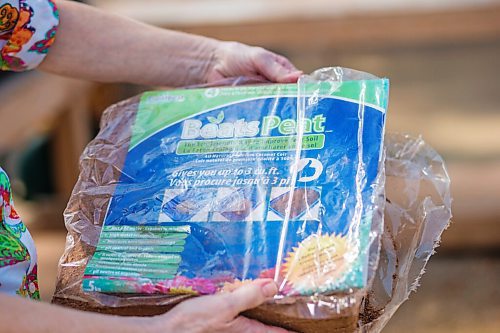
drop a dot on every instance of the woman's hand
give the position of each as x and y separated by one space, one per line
220 313
232 59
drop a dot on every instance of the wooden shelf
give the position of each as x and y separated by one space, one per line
321 23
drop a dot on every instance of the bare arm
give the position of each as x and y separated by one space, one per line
96 45
21 315
207 314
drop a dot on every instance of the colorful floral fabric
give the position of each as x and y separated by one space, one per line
27 30
18 270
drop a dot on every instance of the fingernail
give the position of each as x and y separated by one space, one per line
292 77
269 289
296 72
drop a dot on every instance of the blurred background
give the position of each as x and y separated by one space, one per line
443 60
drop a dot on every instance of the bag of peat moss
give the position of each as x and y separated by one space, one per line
192 192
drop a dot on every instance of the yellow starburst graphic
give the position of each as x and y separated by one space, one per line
316 261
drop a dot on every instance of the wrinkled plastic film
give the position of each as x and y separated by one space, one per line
311 89
417 211
294 173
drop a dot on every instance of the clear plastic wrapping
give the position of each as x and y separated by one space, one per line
316 230
417 211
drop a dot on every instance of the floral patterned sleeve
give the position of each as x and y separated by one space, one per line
18 258
27 30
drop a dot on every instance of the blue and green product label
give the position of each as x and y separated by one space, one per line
212 193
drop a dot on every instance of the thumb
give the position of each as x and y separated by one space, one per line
249 296
276 68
